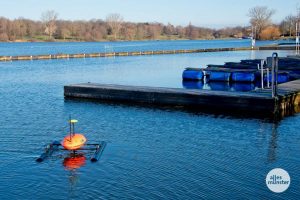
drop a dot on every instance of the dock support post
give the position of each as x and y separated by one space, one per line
268 74
297 39
261 73
274 74
261 76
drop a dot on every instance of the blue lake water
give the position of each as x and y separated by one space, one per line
41 48
151 152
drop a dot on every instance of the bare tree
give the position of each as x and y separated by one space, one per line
180 31
297 17
49 19
287 26
114 22
154 31
192 32
128 31
260 18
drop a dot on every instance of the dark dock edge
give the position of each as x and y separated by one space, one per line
257 102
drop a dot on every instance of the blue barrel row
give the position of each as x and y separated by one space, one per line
220 86
230 76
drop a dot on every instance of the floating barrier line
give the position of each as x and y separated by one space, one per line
135 53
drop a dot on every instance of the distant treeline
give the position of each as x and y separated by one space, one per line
99 30
49 28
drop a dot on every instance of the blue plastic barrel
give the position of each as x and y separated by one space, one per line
190 74
243 77
219 76
281 78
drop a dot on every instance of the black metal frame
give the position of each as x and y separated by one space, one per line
55 146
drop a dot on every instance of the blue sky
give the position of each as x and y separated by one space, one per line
208 13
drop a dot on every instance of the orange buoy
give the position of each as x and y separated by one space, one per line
73 142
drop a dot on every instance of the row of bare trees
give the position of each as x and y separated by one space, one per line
261 22
287 26
115 28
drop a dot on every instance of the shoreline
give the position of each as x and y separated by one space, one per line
158 40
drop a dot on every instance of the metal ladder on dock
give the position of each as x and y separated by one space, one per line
262 70
274 74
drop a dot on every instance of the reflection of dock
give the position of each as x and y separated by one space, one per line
273 143
135 53
258 102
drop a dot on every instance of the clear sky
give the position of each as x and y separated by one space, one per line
208 13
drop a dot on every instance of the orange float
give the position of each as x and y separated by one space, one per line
73 141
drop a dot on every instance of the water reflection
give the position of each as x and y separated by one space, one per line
252 54
273 143
192 84
219 86
72 163
243 87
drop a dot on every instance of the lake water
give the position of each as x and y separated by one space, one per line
41 48
151 152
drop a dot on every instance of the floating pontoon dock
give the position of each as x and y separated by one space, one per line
277 100
257 101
